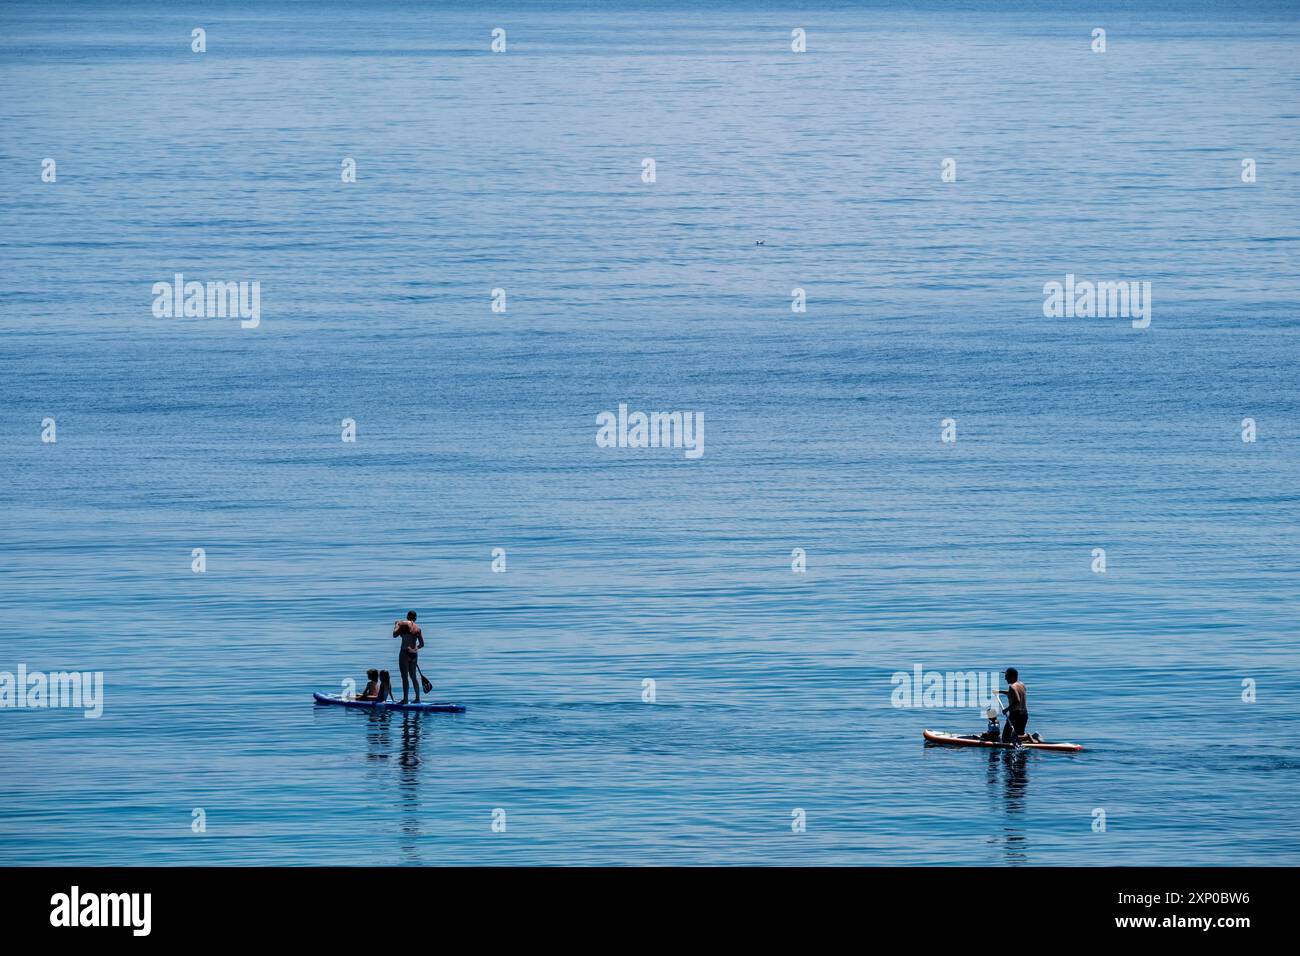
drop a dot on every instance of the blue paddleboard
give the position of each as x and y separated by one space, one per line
441 708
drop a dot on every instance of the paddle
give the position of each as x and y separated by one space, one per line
424 681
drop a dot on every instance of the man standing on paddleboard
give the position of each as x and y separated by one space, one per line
407 661
1017 707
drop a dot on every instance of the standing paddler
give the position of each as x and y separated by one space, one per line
1017 707
407 660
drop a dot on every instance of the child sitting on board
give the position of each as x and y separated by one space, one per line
372 686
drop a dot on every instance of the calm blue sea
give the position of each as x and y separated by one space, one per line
476 430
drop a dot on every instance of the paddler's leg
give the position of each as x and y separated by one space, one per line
407 662
402 669
1020 718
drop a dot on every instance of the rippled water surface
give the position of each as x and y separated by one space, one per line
522 171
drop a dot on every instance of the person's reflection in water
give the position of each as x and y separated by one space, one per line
408 782
1008 779
378 742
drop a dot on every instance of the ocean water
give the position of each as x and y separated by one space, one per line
476 430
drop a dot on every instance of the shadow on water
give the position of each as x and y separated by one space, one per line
1008 782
